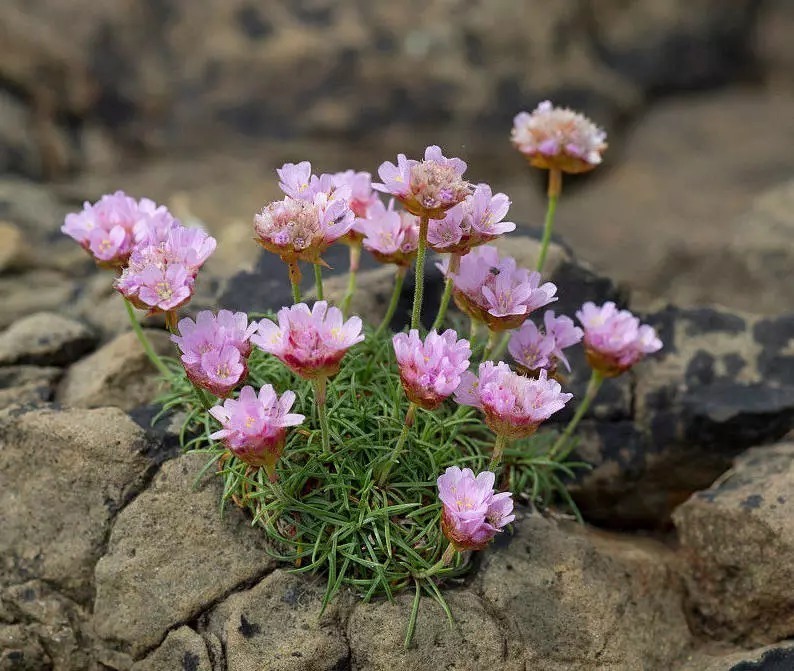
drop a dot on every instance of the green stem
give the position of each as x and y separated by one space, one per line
446 560
419 289
499 350
555 186
355 256
395 299
320 386
147 346
498 450
295 281
474 328
398 448
452 269
409 632
558 449
492 336
204 397
318 280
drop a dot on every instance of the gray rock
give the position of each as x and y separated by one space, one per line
778 657
171 555
183 649
20 650
276 625
27 385
119 373
735 536
45 339
35 291
63 477
14 252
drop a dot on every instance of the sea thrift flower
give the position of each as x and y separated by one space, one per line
494 290
426 188
557 138
391 237
430 371
255 426
514 405
475 221
473 513
310 342
215 349
362 198
614 340
534 349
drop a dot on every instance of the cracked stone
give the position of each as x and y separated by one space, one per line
182 650
171 556
45 339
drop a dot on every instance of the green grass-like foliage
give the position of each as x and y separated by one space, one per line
327 514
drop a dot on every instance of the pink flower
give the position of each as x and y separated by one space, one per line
614 340
493 290
254 427
473 513
514 405
558 138
391 237
533 349
295 180
427 188
475 221
362 197
215 349
430 371
311 343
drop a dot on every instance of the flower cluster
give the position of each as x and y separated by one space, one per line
472 512
492 289
391 237
614 340
430 371
215 349
359 184
534 350
558 138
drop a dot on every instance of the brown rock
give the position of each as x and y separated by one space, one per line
770 658
183 649
27 385
734 536
36 291
45 339
13 249
20 650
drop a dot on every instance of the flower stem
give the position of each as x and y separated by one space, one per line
446 560
398 448
452 269
499 350
474 329
295 281
498 450
355 257
318 280
399 277
558 449
555 187
203 396
320 386
419 289
492 336
147 346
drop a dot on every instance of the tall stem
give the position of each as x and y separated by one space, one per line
398 448
355 257
295 281
492 336
419 290
399 278
320 386
498 450
452 269
555 187
558 449
147 346
474 329
318 280
446 560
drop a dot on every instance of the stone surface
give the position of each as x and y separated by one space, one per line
577 600
182 650
45 339
119 373
79 467
35 291
20 650
13 248
171 555
735 536
27 385
276 625
769 658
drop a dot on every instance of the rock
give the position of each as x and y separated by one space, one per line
475 640
577 599
171 555
182 649
20 650
13 248
773 46
27 385
79 467
275 625
119 373
770 658
45 339
733 535
40 290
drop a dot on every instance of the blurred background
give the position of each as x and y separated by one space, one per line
195 102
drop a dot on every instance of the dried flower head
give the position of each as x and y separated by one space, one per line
255 426
514 405
430 371
391 237
473 512
533 349
312 342
558 138
426 188
614 340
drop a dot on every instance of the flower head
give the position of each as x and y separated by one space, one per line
473 513
475 221
514 405
391 237
429 187
430 371
558 138
614 340
494 290
310 342
534 349
254 426
362 198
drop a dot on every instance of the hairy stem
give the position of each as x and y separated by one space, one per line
558 450
419 289
399 278
320 386
355 257
555 187
147 346
318 280
295 281
492 336
452 269
498 450
398 448
446 560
